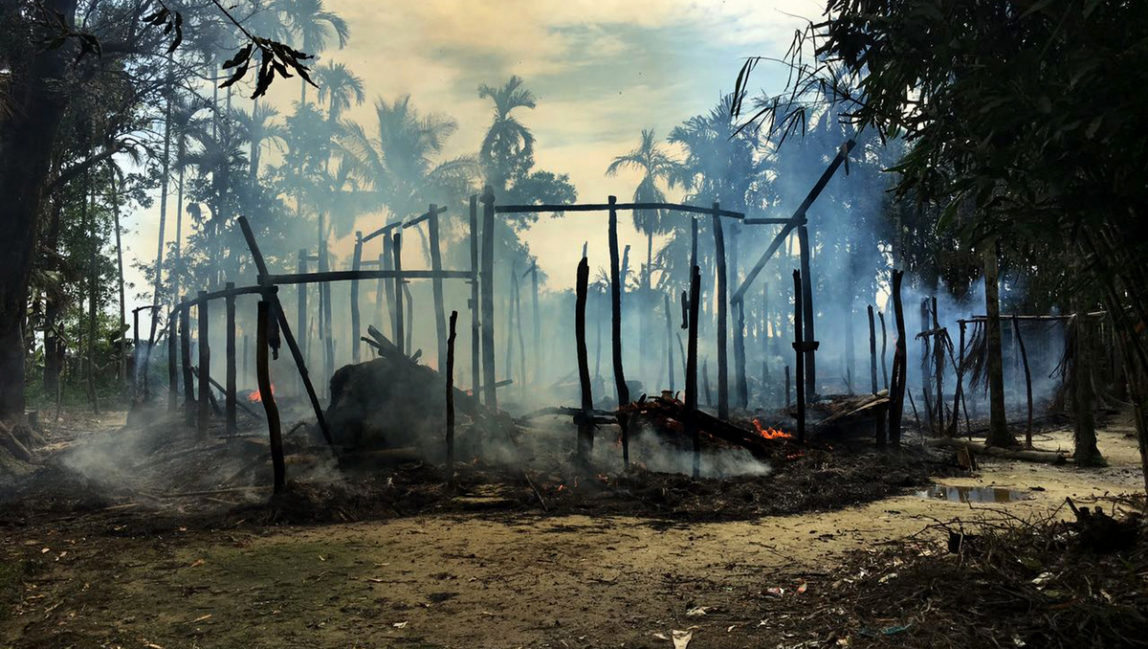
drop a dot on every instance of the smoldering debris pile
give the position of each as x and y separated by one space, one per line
393 401
666 417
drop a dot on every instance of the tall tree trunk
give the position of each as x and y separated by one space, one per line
1083 396
93 286
998 434
165 167
35 102
115 199
177 237
53 343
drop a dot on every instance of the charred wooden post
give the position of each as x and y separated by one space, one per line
267 397
691 404
285 328
300 305
356 263
799 348
185 358
788 387
623 390
201 315
450 396
884 341
1027 382
872 351
585 420
939 366
669 341
806 290
475 327
900 360
397 247
722 314
490 397
246 373
172 365
229 406
440 323
389 287
741 386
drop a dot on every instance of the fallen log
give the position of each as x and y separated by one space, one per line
1024 455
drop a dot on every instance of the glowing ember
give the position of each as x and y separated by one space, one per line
257 396
770 433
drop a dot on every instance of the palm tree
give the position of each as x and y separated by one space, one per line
314 27
186 128
508 149
257 127
339 87
655 164
399 164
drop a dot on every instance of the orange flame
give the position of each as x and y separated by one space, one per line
770 433
257 396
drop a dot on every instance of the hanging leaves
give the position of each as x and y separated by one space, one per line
275 58
171 21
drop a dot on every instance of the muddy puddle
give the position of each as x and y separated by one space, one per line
972 494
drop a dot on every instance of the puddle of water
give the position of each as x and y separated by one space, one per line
971 494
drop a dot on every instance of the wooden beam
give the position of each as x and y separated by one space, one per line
605 207
383 230
798 217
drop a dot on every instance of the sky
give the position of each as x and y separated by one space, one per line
601 72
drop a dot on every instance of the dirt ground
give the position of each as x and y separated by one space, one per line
482 578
